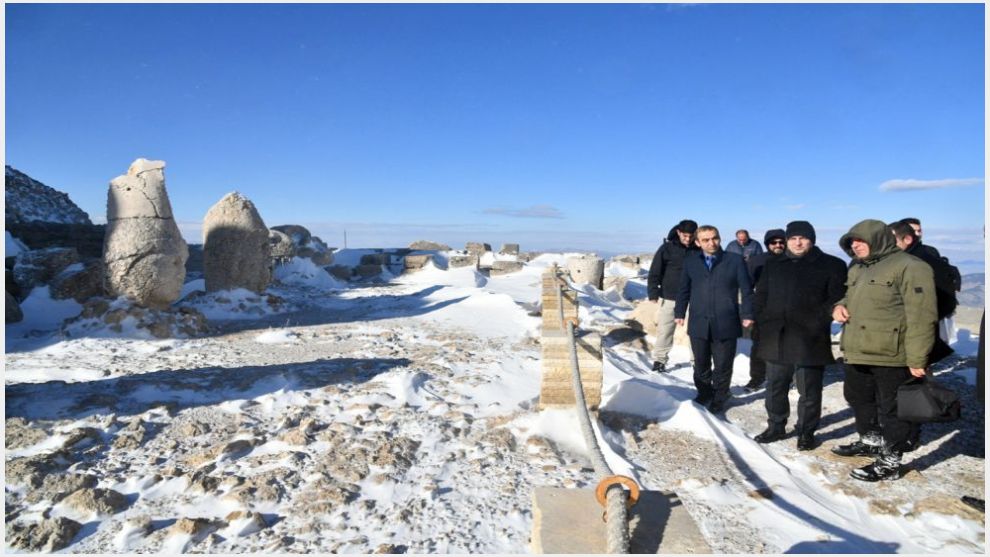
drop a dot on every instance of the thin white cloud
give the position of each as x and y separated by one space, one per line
534 212
910 184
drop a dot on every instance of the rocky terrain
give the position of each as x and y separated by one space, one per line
387 418
28 200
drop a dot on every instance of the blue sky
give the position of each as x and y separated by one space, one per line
555 126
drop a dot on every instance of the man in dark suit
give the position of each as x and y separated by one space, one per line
712 283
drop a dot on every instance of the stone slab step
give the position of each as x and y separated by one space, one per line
570 521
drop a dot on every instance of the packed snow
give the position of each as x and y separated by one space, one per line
402 416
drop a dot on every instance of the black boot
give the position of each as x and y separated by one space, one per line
659 367
806 441
866 445
886 467
770 435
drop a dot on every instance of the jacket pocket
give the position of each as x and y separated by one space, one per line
877 340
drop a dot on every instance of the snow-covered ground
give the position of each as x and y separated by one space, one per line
402 417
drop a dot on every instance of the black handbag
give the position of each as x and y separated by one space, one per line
924 400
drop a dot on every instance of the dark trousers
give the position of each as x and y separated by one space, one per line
713 383
757 367
871 391
809 385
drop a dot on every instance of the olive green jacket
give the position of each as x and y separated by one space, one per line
890 296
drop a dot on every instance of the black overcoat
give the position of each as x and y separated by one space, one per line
793 304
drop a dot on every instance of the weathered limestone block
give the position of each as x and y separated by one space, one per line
416 262
425 245
617 282
506 267
144 253
463 261
510 249
644 318
235 246
477 248
586 269
79 282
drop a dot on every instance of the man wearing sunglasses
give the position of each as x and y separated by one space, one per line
775 242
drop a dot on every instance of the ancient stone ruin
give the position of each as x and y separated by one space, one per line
477 248
509 249
426 245
236 252
586 269
304 245
144 253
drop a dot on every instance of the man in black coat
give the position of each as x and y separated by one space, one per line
793 303
712 283
663 283
775 241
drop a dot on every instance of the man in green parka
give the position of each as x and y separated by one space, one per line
889 322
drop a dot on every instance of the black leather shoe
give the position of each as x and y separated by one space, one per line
976 503
659 367
716 407
879 470
856 448
806 442
770 435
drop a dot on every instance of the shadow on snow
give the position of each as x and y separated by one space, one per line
178 389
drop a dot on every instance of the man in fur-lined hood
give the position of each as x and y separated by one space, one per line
889 322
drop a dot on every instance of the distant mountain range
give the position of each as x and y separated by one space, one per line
973 289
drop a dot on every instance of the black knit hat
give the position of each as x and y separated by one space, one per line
687 226
771 234
801 228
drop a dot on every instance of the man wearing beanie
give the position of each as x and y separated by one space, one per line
793 307
663 282
774 241
889 320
